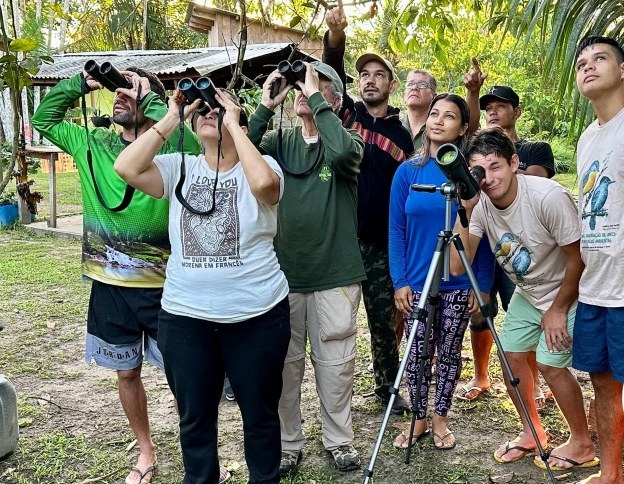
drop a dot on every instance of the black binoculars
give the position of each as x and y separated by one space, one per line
107 75
203 89
292 73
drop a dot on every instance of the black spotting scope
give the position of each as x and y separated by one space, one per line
204 89
107 75
453 164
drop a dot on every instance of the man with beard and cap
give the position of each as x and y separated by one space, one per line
125 241
317 248
386 144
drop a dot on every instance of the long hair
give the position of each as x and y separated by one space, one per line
464 111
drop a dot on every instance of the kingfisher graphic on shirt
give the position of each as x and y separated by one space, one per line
595 192
510 250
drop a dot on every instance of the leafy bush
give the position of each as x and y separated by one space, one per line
7 198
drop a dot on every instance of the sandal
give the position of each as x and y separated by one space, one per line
142 474
541 398
400 442
224 474
442 438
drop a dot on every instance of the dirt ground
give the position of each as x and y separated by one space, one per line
73 429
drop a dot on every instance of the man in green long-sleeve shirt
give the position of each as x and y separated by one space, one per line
125 249
317 248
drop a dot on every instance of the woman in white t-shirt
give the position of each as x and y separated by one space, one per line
225 305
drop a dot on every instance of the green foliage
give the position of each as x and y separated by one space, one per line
118 25
565 155
21 60
558 26
7 198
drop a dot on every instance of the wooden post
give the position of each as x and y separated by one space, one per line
50 153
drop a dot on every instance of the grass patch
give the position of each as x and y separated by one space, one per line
68 193
59 458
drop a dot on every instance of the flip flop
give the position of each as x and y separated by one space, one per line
541 398
142 474
224 475
468 394
400 442
574 465
442 438
509 447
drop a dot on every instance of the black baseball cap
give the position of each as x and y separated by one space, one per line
502 93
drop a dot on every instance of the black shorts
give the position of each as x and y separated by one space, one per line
122 324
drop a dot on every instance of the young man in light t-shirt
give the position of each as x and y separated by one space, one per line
532 225
599 325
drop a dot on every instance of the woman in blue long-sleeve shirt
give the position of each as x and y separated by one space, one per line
415 220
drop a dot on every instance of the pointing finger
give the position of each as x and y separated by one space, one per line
475 64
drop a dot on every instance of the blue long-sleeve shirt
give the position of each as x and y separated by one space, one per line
416 218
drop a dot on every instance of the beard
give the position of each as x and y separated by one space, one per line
375 98
128 120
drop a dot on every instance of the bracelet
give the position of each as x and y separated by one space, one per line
159 133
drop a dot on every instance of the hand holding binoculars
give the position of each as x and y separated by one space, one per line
107 75
291 72
204 89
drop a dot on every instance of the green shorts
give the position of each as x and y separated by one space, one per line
522 332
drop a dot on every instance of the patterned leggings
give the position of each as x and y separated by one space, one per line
449 325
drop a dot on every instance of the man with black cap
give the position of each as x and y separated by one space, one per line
387 144
502 108
317 248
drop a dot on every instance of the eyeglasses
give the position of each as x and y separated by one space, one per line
418 85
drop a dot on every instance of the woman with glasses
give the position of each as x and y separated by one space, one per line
225 301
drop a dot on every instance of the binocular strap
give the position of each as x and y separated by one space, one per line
129 191
178 188
280 155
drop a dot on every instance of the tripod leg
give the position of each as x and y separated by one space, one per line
432 283
503 359
425 317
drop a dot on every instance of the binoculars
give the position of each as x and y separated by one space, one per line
107 75
203 89
292 73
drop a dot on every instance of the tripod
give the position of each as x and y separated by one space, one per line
438 270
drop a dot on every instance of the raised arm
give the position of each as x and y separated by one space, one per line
135 164
473 81
49 118
263 181
335 39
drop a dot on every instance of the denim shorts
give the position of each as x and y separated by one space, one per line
598 343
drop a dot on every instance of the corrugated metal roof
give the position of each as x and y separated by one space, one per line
174 64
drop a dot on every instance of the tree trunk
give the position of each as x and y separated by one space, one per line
242 46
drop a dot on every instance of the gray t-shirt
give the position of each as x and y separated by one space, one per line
527 236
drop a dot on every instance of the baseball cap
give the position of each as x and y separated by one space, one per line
369 56
330 73
503 93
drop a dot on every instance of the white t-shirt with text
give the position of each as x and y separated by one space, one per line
223 267
600 168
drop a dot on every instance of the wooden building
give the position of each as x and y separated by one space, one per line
222 28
